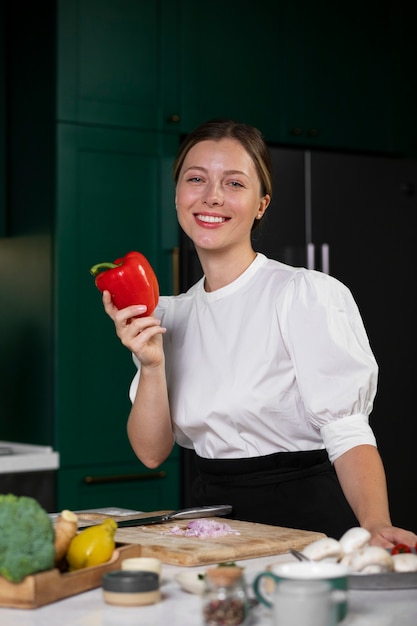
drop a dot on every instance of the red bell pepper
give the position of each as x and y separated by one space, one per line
400 548
130 280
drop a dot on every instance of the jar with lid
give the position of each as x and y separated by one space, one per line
225 600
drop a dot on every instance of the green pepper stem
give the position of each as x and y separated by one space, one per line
102 266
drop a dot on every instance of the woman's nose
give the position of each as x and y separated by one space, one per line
213 194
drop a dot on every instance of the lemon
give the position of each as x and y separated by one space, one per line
92 546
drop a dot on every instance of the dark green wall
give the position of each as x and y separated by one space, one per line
26 322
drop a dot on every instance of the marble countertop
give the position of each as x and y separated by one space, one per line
179 608
23 457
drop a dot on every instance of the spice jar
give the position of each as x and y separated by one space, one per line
225 601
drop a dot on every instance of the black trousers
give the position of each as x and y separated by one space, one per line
290 489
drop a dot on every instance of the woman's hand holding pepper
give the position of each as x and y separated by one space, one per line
141 335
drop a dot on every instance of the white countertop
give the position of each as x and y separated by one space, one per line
179 608
22 457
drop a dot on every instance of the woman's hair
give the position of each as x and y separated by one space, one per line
250 138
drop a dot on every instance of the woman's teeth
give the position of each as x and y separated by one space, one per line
211 219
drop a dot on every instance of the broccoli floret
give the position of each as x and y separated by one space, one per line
26 537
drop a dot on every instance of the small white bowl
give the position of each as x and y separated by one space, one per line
145 564
190 581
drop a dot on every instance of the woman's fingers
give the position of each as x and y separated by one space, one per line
138 334
123 314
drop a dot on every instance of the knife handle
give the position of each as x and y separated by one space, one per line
211 510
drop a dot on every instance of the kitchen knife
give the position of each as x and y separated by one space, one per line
191 513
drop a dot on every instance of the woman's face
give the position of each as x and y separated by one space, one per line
218 194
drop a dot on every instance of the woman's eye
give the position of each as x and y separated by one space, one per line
195 179
235 183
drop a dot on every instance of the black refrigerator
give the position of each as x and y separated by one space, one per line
354 216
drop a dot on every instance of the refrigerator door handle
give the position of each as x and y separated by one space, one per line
310 256
325 258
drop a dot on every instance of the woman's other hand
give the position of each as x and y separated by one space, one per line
389 536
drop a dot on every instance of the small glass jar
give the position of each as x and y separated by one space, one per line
225 600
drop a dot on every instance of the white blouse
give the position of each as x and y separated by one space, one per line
276 361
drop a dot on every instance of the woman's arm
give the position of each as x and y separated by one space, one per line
362 477
149 425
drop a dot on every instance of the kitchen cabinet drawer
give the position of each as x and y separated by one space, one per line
130 486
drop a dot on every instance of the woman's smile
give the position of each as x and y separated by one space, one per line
210 219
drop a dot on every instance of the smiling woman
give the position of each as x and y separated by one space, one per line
219 198
263 369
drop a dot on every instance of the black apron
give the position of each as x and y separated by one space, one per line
291 489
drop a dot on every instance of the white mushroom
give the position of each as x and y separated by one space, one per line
353 539
370 560
405 562
324 549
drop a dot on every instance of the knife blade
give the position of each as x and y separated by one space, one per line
213 510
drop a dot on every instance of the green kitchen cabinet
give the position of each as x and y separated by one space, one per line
117 63
230 63
114 194
332 77
306 73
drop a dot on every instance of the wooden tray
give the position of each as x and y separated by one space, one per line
46 587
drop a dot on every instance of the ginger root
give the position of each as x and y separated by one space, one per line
66 527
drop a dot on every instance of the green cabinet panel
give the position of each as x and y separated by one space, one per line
109 201
117 62
231 63
129 486
306 73
338 76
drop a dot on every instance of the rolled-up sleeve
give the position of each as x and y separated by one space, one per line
341 435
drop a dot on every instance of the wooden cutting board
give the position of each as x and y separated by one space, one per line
254 540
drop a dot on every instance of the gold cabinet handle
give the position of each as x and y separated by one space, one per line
175 118
175 271
121 478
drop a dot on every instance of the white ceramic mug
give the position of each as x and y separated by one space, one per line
304 603
334 574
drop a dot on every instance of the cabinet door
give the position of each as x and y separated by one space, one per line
117 62
338 76
231 63
109 202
